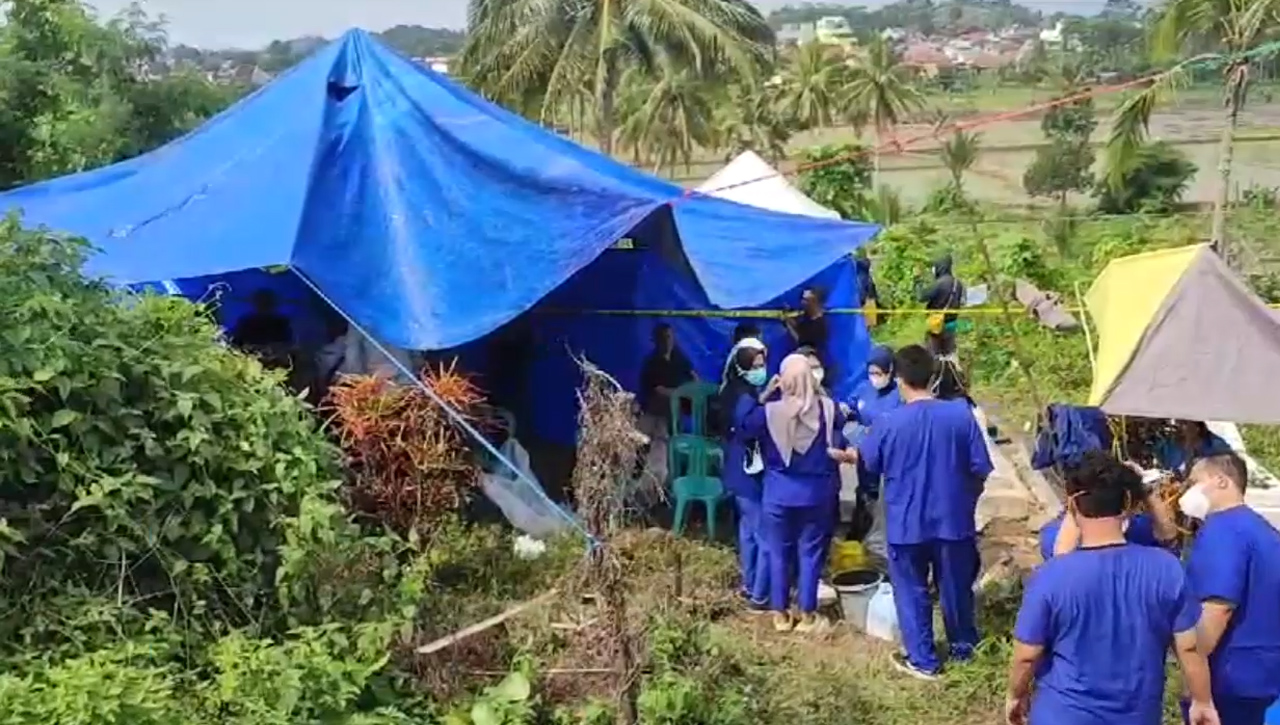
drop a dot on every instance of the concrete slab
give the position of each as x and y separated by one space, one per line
1006 497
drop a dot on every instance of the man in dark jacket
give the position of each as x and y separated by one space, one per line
945 293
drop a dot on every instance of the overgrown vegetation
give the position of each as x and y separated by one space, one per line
1064 258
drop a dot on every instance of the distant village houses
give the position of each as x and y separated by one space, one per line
972 49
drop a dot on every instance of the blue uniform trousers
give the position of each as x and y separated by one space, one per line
797 539
753 555
954 566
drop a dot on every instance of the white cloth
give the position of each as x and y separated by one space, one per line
520 496
654 475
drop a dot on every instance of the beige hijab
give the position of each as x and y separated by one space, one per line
794 420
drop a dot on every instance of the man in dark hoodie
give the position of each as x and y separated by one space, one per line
945 293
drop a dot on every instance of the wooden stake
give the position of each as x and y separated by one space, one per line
451 639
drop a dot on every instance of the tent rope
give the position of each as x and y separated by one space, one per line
457 417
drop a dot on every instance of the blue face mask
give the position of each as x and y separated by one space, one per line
755 376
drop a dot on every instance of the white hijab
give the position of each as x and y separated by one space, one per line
746 342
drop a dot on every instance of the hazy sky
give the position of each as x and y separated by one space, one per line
254 23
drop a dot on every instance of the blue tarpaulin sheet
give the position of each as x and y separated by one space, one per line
620 343
427 214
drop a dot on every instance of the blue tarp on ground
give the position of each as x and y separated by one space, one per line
428 215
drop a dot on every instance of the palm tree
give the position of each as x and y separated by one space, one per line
671 118
959 153
1235 30
812 81
750 117
880 90
553 46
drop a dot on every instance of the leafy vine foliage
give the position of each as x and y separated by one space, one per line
139 455
174 545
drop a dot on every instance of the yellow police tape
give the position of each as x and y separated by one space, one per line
767 314
780 314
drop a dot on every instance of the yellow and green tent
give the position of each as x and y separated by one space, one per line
1179 335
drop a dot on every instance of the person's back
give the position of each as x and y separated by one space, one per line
1096 623
1106 617
934 460
1235 557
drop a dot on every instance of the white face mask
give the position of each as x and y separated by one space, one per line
1195 503
878 381
818 373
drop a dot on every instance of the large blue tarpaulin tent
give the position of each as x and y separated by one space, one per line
429 216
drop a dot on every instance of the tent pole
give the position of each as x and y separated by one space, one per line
1088 337
458 419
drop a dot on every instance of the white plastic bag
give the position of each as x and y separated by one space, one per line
882 616
523 501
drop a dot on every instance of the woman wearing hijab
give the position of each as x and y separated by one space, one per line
752 344
878 396
800 434
815 367
745 378
871 402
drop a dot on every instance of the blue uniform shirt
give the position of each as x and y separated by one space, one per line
1235 558
1171 457
1105 617
812 478
870 405
736 445
1141 531
934 461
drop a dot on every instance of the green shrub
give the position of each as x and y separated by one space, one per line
839 178
140 458
1154 181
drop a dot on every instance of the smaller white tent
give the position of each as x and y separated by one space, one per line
750 180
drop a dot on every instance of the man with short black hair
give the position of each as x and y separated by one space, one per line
665 369
1234 571
1095 623
809 328
745 330
265 326
933 461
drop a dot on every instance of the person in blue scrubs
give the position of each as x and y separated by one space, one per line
872 401
1194 440
1095 623
1233 567
745 380
933 458
1155 527
800 437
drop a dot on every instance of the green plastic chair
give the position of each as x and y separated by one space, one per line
684 445
697 486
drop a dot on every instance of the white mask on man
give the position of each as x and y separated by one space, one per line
1195 503
879 382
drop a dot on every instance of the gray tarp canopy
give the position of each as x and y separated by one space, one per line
1181 336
